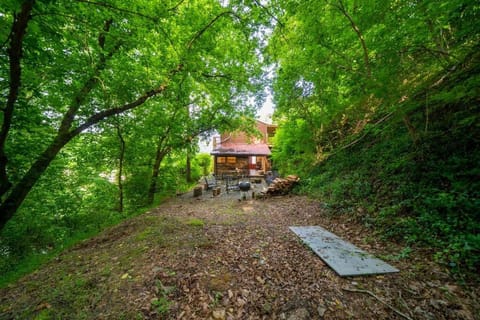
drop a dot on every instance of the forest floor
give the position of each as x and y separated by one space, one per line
221 258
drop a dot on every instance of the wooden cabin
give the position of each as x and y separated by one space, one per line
240 154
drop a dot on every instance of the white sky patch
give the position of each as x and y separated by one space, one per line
224 3
266 111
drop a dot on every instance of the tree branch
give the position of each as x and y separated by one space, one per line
175 7
217 75
101 37
380 300
15 53
269 13
96 118
109 6
90 83
341 7
206 27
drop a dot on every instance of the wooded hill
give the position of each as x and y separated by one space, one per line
378 106
103 103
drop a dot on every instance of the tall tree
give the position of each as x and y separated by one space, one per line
121 161
344 65
73 64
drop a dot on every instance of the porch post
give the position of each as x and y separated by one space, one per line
215 165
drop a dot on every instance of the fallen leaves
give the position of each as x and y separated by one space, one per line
243 263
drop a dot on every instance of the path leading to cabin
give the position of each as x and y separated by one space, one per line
221 258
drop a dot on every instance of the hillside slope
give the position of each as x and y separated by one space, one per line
414 172
222 258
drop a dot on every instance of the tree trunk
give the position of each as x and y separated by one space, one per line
15 52
412 131
188 169
160 154
25 185
121 158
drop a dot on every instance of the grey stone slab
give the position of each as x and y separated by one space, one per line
343 257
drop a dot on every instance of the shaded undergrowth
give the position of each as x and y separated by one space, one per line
415 178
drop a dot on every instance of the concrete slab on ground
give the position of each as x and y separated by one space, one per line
343 257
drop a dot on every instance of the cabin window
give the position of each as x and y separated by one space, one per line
220 159
231 160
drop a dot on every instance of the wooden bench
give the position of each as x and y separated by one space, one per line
210 182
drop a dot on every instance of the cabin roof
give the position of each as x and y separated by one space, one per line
241 149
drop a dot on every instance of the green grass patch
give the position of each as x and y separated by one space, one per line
195 222
24 265
16 265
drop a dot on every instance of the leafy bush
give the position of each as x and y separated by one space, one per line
426 194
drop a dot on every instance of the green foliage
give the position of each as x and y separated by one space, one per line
161 305
294 150
204 160
378 107
103 88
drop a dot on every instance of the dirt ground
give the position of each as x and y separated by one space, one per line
222 258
